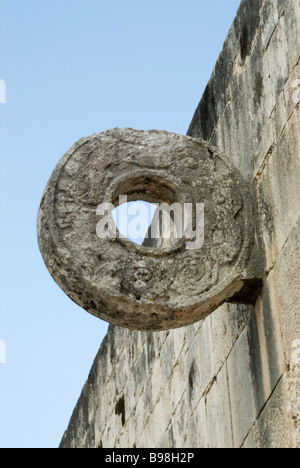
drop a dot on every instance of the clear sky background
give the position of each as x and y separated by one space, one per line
73 68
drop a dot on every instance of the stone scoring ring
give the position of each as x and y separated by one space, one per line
139 287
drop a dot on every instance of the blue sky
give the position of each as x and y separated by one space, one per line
73 68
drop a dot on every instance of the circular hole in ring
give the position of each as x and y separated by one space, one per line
139 217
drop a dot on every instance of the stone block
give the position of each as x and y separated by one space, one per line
179 424
103 412
205 356
241 390
104 360
140 371
159 338
259 357
279 192
249 441
207 112
168 358
132 435
269 20
156 380
191 330
180 339
264 352
280 116
236 118
221 336
123 441
272 428
218 413
148 397
192 379
139 420
111 432
151 433
171 439
150 350
131 394
219 83
177 386
291 23
238 316
167 407
281 5
260 125
270 337
132 347
197 365
257 76
265 139
283 283
164 443
191 441
278 60
292 96
201 420
90 438
117 380
246 26
227 322
293 389
159 421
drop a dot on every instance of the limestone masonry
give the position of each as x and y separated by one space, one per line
233 378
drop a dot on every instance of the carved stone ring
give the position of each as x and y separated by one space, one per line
140 287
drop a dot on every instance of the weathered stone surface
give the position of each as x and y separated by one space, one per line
283 281
271 430
227 324
279 191
270 17
204 350
260 346
241 390
130 285
250 441
293 389
218 413
201 425
266 352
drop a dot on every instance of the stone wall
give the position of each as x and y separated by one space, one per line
232 380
